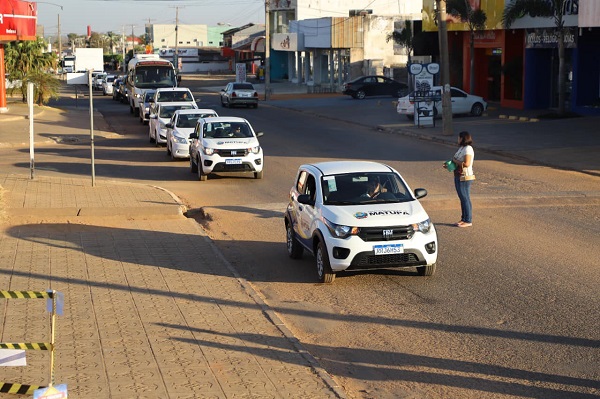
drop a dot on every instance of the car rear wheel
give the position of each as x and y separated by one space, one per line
324 272
477 109
428 270
294 248
361 94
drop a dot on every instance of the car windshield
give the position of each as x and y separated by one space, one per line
179 95
169 110
219 130
148 95
154 76
190 120
364 188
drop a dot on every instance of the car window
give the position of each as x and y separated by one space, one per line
301 181
457 93
243 86
188 120
351 188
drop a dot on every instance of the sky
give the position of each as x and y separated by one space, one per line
124 15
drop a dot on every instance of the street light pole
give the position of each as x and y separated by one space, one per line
267 51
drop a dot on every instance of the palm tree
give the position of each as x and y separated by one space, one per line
475 20
545 9
112 39
45 85
403 38
24 60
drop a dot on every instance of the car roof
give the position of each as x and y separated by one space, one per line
195 111
340 167
227 119
173 89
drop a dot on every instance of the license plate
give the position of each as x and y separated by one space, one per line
233 161
388 249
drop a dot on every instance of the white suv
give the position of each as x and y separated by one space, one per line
225 144
358 215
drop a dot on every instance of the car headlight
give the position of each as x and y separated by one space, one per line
208 151
137 95
423 227
254 150
162 125
180 140
339 230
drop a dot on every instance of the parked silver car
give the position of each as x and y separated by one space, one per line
239 94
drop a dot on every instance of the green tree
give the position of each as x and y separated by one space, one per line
45 86
475 20
403 38
112 39
25 61
554 9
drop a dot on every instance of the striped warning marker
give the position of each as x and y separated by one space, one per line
19 389
25 294
29 346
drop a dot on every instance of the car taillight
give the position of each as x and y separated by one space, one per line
255 94
233 94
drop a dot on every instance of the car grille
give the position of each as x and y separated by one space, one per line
392 233
223 167
232 153
366 260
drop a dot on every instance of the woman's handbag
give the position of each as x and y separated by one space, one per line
465 177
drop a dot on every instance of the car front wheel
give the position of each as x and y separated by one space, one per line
477 109
294 248
361 94
428 270
201 175
193 166
324 272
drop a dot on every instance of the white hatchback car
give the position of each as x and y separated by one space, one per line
358 215
161 115
182 124
225 144
107 84
462 103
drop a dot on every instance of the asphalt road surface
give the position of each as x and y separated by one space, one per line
512 311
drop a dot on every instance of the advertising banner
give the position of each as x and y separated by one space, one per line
17 20
493 10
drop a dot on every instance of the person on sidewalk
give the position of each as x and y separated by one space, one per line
464 176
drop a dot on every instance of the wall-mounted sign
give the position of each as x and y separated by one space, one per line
17 20
547 38
287 42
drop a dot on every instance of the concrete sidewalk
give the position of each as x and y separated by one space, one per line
152 309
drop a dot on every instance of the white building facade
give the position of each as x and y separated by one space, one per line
326 42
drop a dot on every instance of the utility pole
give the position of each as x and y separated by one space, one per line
59 40
176 55
267 50
444 55
123 50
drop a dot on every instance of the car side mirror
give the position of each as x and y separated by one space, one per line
193 136
169 125
222 89
259 134
305 199
420 193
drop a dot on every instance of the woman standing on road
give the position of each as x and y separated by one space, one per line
463 177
